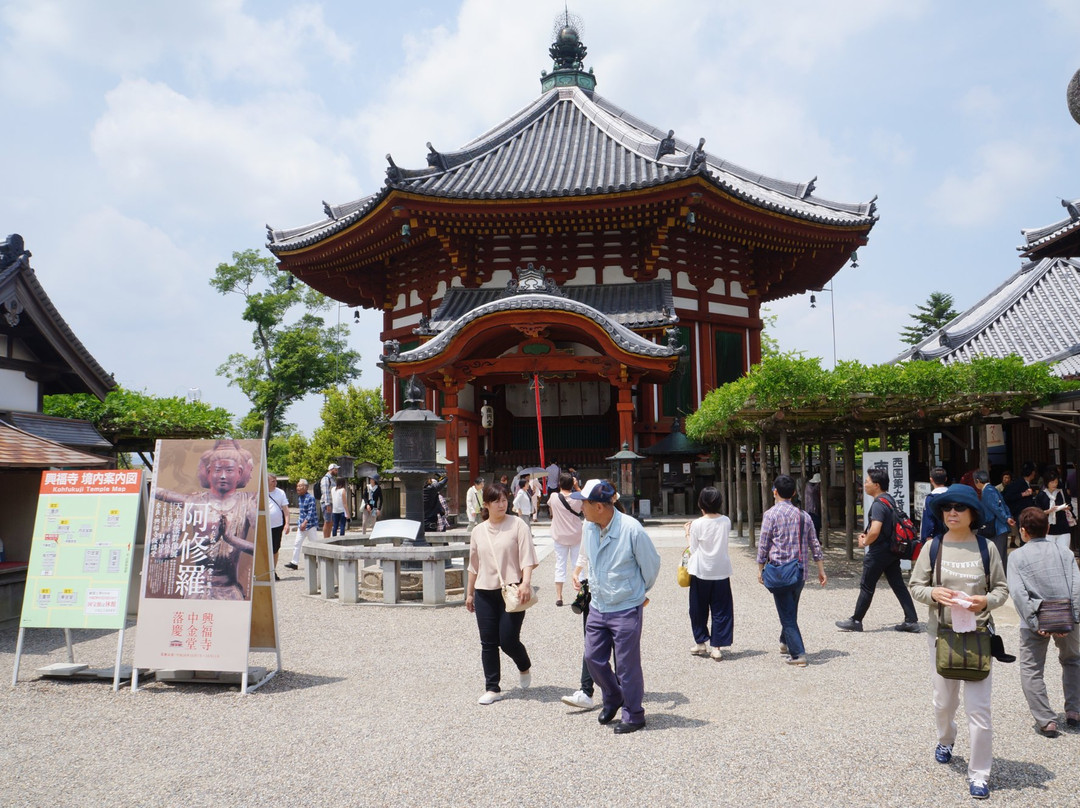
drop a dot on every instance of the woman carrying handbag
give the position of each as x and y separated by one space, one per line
500 550
961 579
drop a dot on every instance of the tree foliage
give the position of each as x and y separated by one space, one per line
797 383
354 423
931 315
290 359
127 416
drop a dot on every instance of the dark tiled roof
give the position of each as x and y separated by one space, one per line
622 336
20 449
1034 315
18 282
567 143
68 431
1036 237
634 305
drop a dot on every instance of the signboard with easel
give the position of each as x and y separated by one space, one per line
81 555
207 599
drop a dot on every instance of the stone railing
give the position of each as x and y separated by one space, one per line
333 568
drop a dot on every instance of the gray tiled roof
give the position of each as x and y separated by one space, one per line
570 142
68 431
1034 314
1035 237
634 305
19 282
619 334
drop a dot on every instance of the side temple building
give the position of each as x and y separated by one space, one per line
575 248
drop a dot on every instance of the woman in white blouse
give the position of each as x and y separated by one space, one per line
710 577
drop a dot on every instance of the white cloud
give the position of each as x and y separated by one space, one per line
1000 169
213 41
203 162
981 101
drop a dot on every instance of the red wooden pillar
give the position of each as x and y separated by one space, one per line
453 415
625 409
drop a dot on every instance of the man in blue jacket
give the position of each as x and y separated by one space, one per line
999 521
623 565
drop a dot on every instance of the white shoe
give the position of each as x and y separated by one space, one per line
783 648
715 653
490 697
699 649
580 699
526 679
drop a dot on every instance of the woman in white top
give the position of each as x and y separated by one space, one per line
500 550
1053 503
523 504
710 574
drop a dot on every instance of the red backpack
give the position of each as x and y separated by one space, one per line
905 541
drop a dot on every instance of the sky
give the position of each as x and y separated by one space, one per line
144 142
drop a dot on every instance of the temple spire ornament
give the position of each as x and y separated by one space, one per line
568 54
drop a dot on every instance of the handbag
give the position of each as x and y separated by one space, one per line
1055 616
964 656
511 592
781 576
682 574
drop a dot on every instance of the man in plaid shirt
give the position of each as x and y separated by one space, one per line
788 533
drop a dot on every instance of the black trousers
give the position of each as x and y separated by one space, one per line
498 629
874 566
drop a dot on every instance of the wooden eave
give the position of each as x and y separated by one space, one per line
788 254
485 339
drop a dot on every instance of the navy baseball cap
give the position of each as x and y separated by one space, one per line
596 491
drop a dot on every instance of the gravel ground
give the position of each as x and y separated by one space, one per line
377 706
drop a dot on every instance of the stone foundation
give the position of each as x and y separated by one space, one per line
412 584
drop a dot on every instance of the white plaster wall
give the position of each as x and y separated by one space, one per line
17 392
727 308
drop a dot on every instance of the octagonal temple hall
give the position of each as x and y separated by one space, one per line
575 248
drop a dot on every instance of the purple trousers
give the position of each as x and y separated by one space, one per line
625 685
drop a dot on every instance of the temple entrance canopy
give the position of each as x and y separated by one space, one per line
502 343
648 244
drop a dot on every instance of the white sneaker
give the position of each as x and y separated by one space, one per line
580 699
490 697
715 653
699 649
526 679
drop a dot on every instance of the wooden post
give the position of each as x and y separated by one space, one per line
763 472
737 485
883 439
823 464
750 494
984 449
785 453
849 493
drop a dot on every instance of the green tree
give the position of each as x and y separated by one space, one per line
931 315
290 359
354 423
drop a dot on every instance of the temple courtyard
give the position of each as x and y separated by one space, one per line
377 706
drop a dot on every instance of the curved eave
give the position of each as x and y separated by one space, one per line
21 281
477 329
498 166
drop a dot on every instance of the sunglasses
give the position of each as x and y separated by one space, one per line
955 506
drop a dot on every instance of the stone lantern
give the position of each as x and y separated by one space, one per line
624 476
414 453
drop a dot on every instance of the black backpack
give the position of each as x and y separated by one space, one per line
316 490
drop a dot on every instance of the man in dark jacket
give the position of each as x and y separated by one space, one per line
998 519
